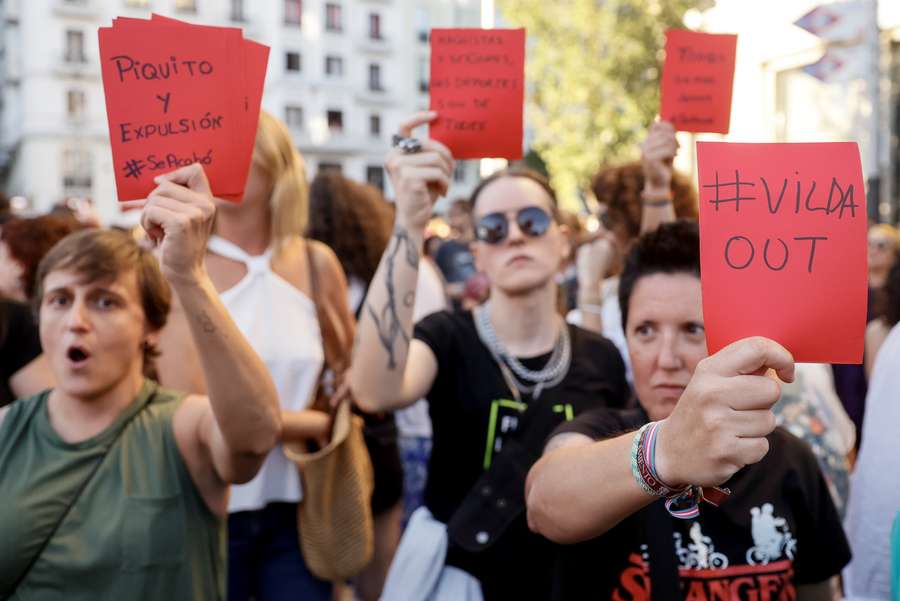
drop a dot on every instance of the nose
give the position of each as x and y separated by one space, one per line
514 234
669 357
77 319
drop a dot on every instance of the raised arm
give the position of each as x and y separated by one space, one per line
657 154
224 437
580 489
390 369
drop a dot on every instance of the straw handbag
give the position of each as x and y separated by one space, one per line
335 515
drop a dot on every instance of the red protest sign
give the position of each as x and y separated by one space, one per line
697 80
177 94
477 89
783 247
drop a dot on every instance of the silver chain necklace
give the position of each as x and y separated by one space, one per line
551 375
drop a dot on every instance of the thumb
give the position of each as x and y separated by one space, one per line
191 176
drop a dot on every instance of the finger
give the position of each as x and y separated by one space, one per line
127 205
748 355
752 392
191 176
758 423
175 206
434 146
750 450
431 175
180 193
154 220
425 159
406 127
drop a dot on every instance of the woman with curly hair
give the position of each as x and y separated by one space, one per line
356 221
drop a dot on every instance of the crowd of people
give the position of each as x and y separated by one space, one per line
539 409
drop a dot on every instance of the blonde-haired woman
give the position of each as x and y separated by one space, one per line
259 263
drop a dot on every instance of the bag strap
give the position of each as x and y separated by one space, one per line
76 497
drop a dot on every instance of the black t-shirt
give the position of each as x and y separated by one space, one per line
778 529
20 344
473 411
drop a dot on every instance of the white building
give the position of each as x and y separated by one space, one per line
342 74
775 100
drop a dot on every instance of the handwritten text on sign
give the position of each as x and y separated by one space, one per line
477 89
783 247
173 99
697 80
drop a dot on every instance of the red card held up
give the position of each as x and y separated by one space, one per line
783 247
477 89
178 94
697 80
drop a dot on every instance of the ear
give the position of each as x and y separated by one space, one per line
152 339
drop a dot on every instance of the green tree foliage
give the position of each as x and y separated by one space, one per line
593 72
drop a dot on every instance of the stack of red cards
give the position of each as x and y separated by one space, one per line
177 94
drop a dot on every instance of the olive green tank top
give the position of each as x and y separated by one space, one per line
139 531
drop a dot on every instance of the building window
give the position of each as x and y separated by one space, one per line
75 103
333 17
293 12
186 6
76 168
459 172
237 10
292 62
75 46
422 24
334 66
293 117
375 125
375 78
375 176
137 3
331 168
336 121
424 69
375 26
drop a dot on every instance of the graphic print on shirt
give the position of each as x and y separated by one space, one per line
504 420
706 573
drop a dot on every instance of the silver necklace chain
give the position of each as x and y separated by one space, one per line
552 373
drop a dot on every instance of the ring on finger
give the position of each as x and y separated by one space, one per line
406 145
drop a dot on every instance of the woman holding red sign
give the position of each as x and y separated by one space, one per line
262 267
498 379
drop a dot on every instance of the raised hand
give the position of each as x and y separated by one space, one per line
722 419
178 217
419 179
657 153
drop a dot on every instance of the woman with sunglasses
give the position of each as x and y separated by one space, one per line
498 379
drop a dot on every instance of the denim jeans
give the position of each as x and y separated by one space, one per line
264 558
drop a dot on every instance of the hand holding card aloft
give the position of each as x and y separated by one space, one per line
178 216
783 247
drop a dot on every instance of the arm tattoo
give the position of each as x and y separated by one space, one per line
387 320
206 322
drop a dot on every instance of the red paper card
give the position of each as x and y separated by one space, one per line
255 60
783 247
197 101
477 88
697 80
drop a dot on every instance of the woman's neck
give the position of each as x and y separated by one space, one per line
248 227
77 417
528 324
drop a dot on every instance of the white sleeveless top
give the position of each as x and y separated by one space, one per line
280 323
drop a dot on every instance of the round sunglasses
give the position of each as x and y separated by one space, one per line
493 228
